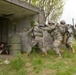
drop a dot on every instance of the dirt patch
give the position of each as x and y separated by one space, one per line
47 72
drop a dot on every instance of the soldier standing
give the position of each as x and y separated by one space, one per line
37 38
67 35
70 32
56 35
62 28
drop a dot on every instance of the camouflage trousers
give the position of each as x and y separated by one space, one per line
38 40
56 43
69 41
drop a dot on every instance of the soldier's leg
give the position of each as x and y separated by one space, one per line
56 44
44 51
69 44
29 47
70 48
28 50
40 44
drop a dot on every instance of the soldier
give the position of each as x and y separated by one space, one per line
67 35
69 40
37 38
62 28
56 35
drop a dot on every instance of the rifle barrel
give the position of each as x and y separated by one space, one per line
73 22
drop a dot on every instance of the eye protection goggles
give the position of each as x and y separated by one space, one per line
62 23
51 23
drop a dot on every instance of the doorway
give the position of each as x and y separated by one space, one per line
3 32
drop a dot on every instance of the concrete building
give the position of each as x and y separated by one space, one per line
16 16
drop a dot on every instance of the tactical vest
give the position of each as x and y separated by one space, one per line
38 31
61 29
54 32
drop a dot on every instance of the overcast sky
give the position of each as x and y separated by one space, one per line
69 11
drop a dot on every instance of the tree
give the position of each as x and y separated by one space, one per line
53 9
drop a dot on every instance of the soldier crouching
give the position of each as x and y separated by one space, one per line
37 38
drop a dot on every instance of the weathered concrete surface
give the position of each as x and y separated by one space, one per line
24 5
19 15
15 9
4 57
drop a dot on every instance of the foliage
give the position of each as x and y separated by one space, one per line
53 9
32 23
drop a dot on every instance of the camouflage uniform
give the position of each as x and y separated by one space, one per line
67 34
69 40
56 35
62 28
37 39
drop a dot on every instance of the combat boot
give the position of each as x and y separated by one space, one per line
59 56
44 54
73 51
26 54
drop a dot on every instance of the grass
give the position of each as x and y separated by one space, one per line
18 63
16 67
42 65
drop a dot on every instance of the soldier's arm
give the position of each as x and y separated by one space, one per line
45 28
30 30
48 28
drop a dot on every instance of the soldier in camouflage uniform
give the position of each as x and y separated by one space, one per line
70 32
56 35
37 38
62 28
67 35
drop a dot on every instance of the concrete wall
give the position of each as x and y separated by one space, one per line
24 5
41 17
22 24
20 27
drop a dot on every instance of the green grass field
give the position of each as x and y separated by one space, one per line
37 64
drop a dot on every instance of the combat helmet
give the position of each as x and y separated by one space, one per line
36 24
51 22
62 22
